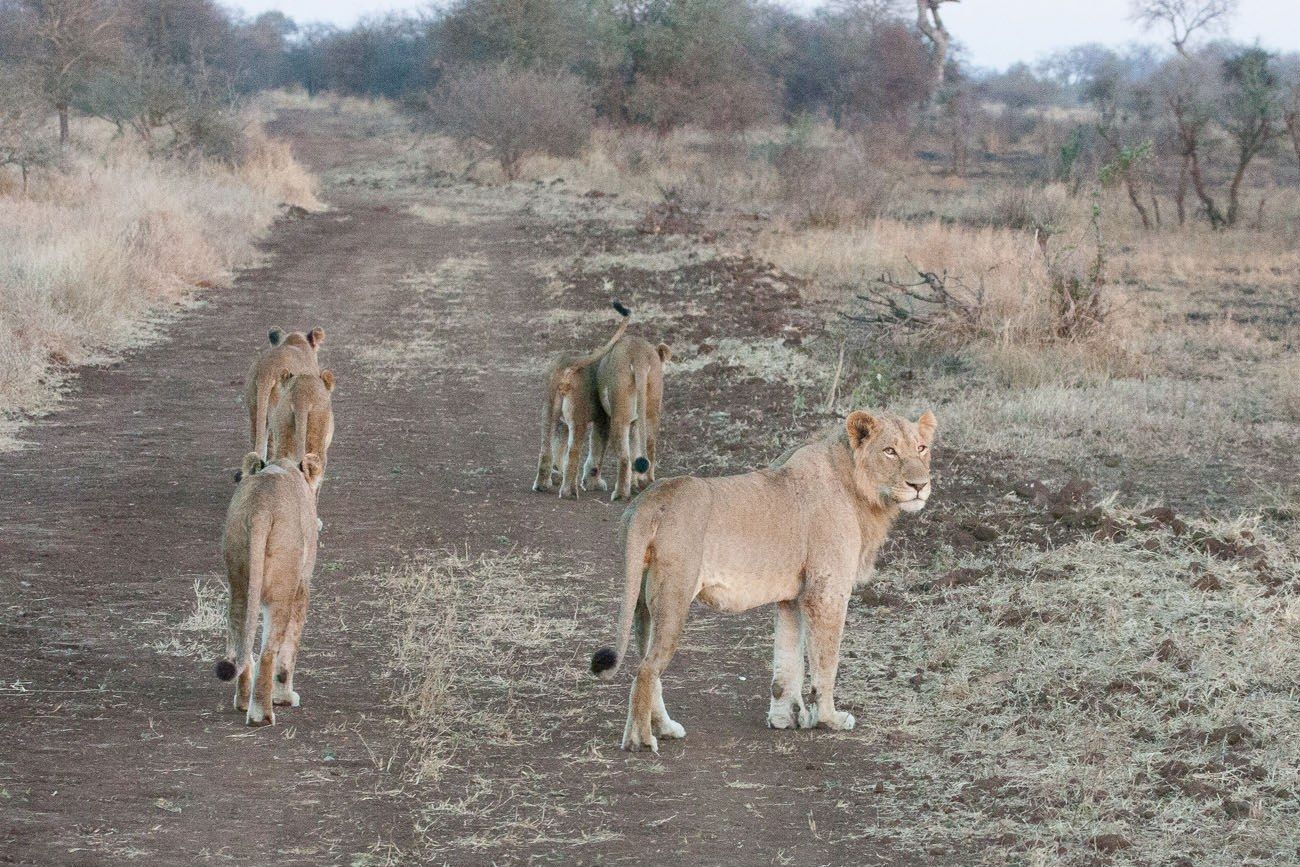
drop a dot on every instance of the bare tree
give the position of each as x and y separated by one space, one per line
22 118
1291 103
929 23
1250 114
1183 18
514 113
67 41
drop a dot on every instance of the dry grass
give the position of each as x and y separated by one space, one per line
489 657
193 635
471 640
769 360
415 351
1092 690
95 254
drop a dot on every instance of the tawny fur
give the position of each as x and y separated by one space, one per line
270 552
302 421
571 411
630 383
799 535
287 353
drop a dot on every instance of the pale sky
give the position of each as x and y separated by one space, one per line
995 33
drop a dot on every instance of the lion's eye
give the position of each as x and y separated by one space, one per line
891 453
921 447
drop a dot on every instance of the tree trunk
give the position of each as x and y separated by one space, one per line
1137 203
1293 127
63 125
1180 194
1217 220
937 33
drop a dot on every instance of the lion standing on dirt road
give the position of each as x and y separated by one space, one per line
799 534
288 353
630 382
270 552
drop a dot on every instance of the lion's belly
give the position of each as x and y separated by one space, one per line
733 587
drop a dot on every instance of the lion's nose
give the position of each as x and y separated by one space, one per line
919 486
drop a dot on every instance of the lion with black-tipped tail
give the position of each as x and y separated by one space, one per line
571 410
799 534
269 547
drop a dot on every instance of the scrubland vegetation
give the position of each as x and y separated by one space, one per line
154 197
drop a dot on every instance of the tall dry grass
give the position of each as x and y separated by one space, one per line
94 252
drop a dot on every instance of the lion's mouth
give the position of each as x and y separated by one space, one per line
915 502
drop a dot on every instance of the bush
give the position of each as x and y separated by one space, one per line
831 186
514 113
23 140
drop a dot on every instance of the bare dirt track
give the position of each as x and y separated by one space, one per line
117 749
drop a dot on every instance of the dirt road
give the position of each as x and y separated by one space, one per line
119 744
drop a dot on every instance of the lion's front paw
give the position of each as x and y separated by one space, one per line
670 729
595 484
635 740
837 720
257 716
790 715
541 487
569 492
286 697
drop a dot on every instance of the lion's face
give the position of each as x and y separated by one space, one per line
891 458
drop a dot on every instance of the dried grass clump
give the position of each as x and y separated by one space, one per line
1136 695
480 648
193 635
94 252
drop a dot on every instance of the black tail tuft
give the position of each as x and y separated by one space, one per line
226 669
641 465
622 311
603 660
275 336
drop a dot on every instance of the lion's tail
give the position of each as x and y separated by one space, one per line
243 635
598 354
638 537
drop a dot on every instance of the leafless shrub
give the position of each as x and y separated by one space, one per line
931 303
22 116
723 106
1072 303
514 113
832 186
1026 208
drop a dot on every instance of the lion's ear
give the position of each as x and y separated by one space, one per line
861 426
327 377
311 468
316 337
251 465
926 425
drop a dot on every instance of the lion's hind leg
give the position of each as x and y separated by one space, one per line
283 693
275 628
232 665
668 606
